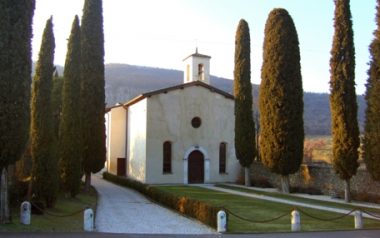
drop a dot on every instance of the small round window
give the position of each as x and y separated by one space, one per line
196 122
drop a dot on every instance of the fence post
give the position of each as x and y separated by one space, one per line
295 221
25 209
88 220
221 222
358 220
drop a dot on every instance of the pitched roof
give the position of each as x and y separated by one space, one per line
180 86
115 106
196 54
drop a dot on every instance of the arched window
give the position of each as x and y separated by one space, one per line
167 155
222 157
201 72
187 73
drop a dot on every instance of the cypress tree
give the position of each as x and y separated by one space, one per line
45 169
92 89
371 141
343 105
244 124
15 79
56 109
56 103
70 146
281 98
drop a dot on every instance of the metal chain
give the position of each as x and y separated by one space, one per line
254 221
371 214
301 211
57 215
326 219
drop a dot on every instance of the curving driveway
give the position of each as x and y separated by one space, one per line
122 210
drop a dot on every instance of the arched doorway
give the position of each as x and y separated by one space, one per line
196 167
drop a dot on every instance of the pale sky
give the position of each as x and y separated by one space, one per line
161 33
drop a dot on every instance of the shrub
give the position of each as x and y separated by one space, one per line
262 182
37 207
241 178
201 211
366 197
18 191
308 190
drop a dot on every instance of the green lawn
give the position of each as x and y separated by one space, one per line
299 199
260 210
49 223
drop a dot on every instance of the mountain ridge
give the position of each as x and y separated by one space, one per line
124 82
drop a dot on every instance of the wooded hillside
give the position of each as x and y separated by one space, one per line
123 82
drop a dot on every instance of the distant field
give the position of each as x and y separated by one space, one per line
319 149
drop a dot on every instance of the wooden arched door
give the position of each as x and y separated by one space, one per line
196 167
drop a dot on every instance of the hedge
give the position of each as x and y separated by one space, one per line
199 210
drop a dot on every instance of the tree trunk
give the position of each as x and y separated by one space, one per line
87 182
4 204
30 190
347 192
50 202
247 177
285 184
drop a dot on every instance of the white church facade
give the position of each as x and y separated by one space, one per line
182 134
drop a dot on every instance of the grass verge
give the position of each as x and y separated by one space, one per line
260 210
60 222
293 198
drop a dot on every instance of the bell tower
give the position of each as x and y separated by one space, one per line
197 68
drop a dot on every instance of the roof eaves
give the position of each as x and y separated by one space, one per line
134 100
197 55
112 107
180 86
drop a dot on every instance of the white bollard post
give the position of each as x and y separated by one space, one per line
88 220
358 220
25 209
221 222
296 221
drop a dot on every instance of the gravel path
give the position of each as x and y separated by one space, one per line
122 210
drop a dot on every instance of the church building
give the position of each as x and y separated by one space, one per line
177 135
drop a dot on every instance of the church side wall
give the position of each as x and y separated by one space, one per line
169 119
116 136
136 152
